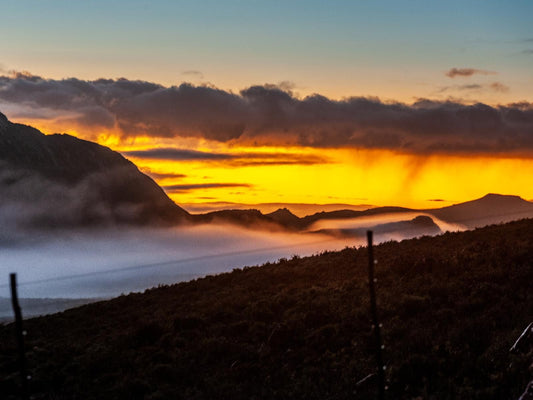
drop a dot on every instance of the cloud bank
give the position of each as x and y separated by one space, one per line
270 115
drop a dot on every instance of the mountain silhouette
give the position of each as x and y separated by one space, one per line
418 226
490 209
349 214
284 217
59 180
252 219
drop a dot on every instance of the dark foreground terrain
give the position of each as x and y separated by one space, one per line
451 307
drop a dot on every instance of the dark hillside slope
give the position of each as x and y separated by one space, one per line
490 209
418 226
451 307
63 181
347 214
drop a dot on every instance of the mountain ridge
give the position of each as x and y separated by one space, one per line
90 184
487 210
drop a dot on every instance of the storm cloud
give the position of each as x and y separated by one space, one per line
271 115
194 73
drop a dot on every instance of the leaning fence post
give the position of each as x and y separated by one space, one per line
20 337
375 322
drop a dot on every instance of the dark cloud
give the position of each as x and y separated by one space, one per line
196 186
465 72
499 87
176 154
193 73
162 175
527 51
474 86
494 86
272 115
302 160
235 159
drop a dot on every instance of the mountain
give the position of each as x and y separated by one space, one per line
252 219
490 209
418 226
286 218
451 306
59 180
299 209
349 214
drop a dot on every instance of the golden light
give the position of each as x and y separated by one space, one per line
351 176
356 176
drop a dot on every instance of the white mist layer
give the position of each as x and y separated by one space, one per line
111 262
107 263
370 221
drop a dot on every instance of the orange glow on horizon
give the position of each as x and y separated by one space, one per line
351 176
376 177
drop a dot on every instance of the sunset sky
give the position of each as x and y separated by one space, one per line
411 103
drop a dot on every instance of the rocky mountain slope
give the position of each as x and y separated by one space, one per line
59 180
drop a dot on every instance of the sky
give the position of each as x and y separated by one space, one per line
413 103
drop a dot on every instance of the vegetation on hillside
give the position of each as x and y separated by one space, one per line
451 308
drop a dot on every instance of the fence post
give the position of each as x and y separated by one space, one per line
375 322
20 337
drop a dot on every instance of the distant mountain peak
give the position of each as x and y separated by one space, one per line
496 196
423 220
500 198
282 212
490 209
285 217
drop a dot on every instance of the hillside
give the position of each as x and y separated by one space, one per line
59 180
451 307
490 209
418 226
38 306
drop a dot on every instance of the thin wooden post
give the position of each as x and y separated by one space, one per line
375 322
20 337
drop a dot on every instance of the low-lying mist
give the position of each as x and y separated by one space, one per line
375 220
106 263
